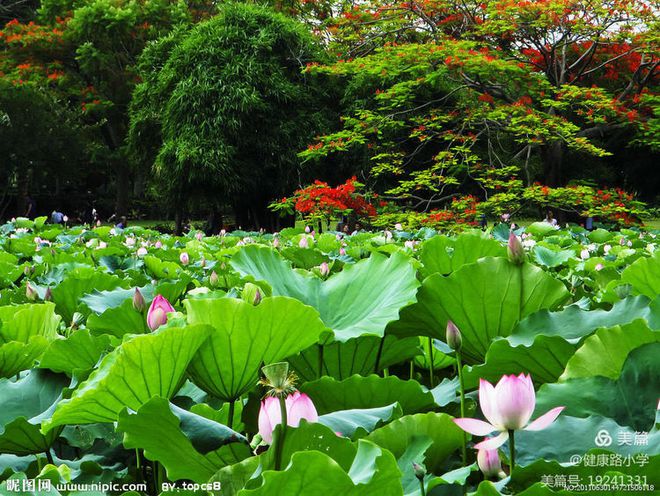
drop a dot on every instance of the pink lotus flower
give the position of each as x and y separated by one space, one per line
142 252
184 258
515 249
599 266
507 406
199 235
584 254
489 462
342 252
158 244
324 268
398 226
303 243
276 242
157 314
298 406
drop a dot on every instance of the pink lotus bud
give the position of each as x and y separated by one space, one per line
515 249
138 301
489 462
276 242
606 249
324 268
599 267
65 218
199 235
214 279
298 406
303 243
420 472
98 223
622 241
202 262
30 292
48 296
251 293
142 252
342 252
130 241
388 235
184 258
223 232
454 339
102 245
398 226
409 244
307 229
584 254
158 244
157 314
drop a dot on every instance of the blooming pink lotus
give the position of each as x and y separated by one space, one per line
157 313
298 406
508 406
184 258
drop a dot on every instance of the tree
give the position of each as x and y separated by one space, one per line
480 97
223 109
84 54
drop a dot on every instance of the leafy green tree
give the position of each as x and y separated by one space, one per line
224 107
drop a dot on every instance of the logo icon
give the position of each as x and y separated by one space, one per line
603 438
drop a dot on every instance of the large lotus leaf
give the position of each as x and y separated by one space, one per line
573 323
447 437
162 269
374 472
189 446
140 368
118 321
67 294
78 352
644 275
355 356
551 258
359 300
99 301
605 352
544 359
22 322
16 356
576 435
444 255
362 421
630 400
330 395
246 336
485 299
24 403
303 257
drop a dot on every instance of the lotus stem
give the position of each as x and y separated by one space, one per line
512 452
230 418
422 487
379 354
321 360
431 366
280 441
412 369
461 388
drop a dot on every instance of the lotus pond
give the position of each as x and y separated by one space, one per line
130 357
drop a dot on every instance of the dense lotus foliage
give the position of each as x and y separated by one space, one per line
102 381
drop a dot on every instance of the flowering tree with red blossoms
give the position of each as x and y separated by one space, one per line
448 97
320 202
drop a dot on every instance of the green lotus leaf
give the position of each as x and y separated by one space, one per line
355 356
644 275
246 336
447 437
25 402
485 299
119 321
359 300
189 446
444 255
573 323
630 400
140 368
605 352
80 351
304 258
359 392
363 421
374 472
551 258
16 356
22 322
540 229
77 283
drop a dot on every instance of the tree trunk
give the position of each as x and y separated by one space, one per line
552 156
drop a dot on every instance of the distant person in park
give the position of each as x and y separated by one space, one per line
483 222
123 222
30 207
550 219
57 217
